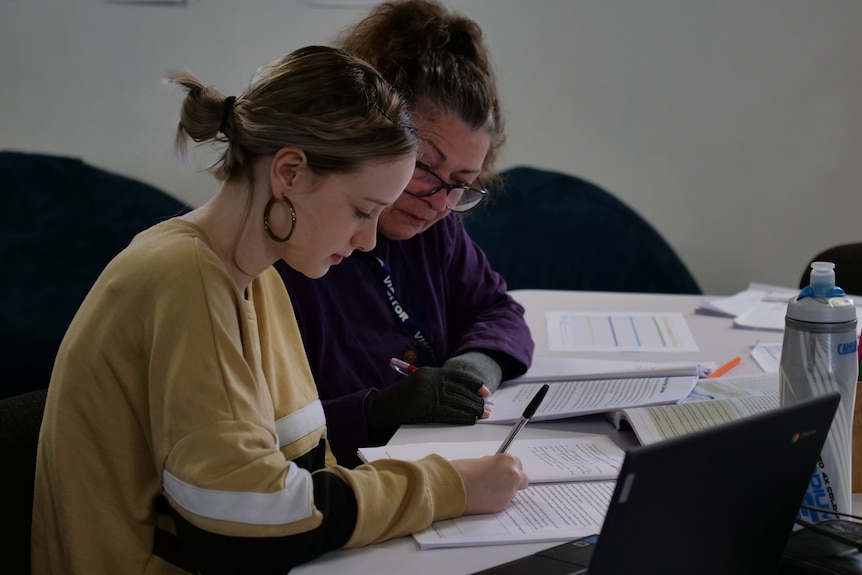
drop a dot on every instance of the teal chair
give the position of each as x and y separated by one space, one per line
548 230
62 221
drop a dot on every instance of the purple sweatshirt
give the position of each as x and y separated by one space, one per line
443 289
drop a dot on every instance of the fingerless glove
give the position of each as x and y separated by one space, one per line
430 394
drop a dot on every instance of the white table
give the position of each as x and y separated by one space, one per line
717 341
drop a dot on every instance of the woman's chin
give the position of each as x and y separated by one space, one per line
398 230
313 273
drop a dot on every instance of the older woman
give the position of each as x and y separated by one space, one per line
426 294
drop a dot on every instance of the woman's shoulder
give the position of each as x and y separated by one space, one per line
172 250
169 242
169 234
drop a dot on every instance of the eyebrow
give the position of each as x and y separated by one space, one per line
464 173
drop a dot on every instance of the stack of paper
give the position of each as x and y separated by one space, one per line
545 512
584 397
713 402
572 479
546 460
760 306
618 331
548 368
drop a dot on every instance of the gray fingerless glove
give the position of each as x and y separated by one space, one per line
430 394
480 366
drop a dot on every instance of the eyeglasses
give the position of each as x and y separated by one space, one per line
459 197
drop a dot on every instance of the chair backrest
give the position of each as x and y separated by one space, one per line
547 230
848 267
20 421
61 223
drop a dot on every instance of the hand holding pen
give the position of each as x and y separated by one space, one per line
405 368
490 482
426 395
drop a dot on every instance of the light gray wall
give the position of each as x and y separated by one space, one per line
734 126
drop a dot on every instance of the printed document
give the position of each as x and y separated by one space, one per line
567 458
624 331
545 512
573 398
713 401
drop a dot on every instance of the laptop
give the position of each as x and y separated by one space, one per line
722 500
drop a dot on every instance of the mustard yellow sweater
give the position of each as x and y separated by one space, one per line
171 384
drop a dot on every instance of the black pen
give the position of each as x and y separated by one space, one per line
528 413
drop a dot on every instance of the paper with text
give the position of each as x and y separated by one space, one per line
572 458
711 403
624 331
545 512
573 398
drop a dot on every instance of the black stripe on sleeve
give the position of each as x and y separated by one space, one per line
219 554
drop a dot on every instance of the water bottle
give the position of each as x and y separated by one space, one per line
819 355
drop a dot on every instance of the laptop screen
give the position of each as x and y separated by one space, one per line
722 500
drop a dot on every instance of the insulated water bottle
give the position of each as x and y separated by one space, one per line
818 356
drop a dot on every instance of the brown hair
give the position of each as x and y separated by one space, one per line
430 54
333 106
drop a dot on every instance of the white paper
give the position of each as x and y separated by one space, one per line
739 303
624 331
770 315
761 306
732 306
767 356
573 398
546 512
713 401
546 368
763 315
572 458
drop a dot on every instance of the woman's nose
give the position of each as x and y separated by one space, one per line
366 238
437 201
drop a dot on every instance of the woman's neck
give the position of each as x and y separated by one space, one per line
228 222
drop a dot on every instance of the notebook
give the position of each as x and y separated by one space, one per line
721 500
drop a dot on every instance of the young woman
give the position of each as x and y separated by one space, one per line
425 294
182 430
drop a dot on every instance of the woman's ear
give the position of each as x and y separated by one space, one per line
289 169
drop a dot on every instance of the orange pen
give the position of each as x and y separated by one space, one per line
725 368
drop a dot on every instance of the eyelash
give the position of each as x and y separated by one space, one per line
363 215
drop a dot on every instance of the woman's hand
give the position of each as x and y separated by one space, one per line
491 482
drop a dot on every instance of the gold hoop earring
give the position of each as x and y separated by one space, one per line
266 227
